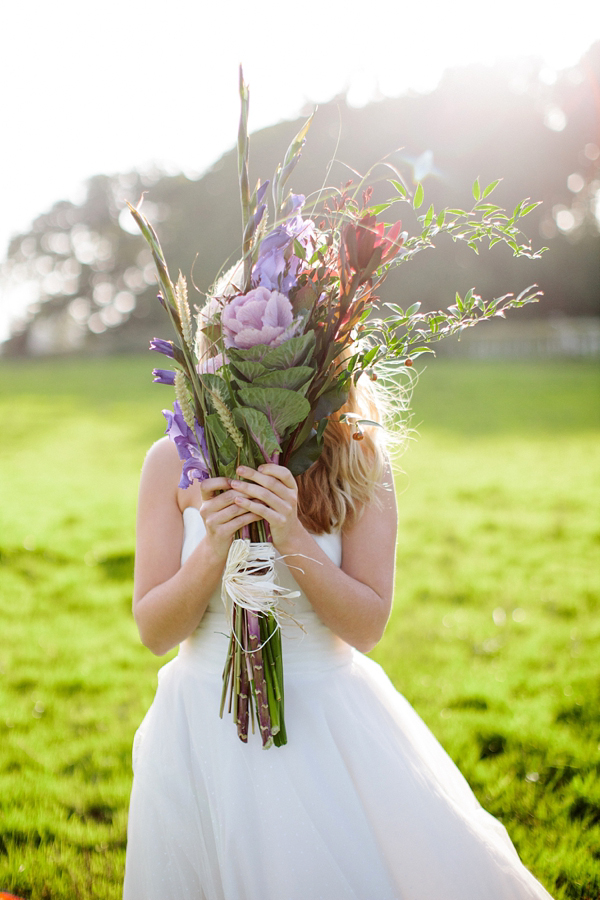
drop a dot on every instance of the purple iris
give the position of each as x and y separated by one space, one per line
163 376
161 346
277 268
191 447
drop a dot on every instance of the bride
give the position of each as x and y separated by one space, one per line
362 803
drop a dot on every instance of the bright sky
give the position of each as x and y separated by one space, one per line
112 86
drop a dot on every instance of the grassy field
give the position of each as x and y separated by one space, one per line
494 637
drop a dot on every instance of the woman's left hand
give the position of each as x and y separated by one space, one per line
271 493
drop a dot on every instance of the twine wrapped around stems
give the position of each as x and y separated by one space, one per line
253 671
249 581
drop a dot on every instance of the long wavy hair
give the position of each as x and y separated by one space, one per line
345 478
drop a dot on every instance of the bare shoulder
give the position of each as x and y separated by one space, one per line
381 515
369 545
161 474
162 458
159 530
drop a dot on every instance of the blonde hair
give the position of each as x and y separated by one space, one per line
345 478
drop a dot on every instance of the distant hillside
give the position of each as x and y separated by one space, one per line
96 284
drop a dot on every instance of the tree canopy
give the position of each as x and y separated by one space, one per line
91 277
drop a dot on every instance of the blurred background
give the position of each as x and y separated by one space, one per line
104 107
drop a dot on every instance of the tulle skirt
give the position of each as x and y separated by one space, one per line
361 804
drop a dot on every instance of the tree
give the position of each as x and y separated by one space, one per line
93 284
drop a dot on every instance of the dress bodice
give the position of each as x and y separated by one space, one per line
307 642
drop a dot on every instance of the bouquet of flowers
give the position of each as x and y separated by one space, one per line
272 353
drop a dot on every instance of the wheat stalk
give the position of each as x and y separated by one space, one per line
227 421
183 308
183 398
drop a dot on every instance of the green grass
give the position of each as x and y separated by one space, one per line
494 636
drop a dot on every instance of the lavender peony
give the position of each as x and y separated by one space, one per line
261 316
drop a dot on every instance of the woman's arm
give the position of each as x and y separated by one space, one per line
169 600
354 600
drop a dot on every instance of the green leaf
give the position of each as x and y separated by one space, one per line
413 309
247 369
350 418
428 217
216 385
441 218
381 207
297 351
299 250
228 452
284 409
418 351
251 354
307 454
304 297
476 189
399 187
258 426
369 356
215 426
297 378
321 428
528 209
330 400
229 470
419 196
491 187
395 308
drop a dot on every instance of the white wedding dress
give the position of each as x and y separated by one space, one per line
362 803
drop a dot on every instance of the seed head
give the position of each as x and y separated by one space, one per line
183 308
183 398
227 421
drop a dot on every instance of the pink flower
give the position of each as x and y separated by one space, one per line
211 364
259 317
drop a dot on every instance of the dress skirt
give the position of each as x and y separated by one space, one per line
362 803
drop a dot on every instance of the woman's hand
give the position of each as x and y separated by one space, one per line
270 492
222 515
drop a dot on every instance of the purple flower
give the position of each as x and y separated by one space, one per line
277 268
191 447
261 316
161 346
163 376
193 470
293 204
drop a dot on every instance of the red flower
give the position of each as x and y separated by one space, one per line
367 246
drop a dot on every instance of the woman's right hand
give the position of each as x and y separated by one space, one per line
222 516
